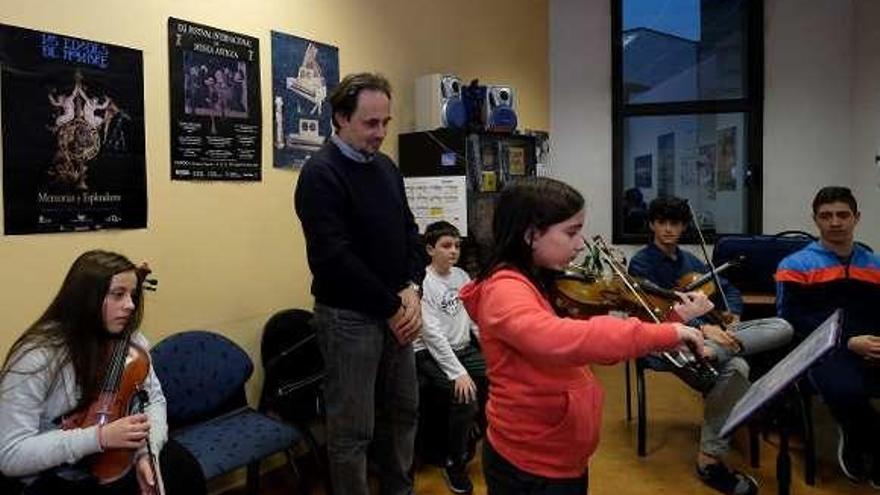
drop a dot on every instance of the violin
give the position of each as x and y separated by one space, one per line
579 293
583 291
121 394
664 299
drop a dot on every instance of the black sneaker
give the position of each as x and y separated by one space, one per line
726 480
851 458
456 477
874 479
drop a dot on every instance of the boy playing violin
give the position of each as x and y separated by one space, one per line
663 262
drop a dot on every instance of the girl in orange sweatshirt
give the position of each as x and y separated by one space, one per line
545 406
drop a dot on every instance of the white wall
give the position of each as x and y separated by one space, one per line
807 126
866 119
580 103
815 131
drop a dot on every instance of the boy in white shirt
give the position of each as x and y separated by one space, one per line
446 356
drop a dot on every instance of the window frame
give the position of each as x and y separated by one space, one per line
752 107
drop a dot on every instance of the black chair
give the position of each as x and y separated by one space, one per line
293 376
641 366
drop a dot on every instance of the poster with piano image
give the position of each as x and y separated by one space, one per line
303 73
216 122
73 133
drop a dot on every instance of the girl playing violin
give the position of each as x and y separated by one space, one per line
57 367
544 407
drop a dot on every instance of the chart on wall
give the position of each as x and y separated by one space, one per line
215 103
303 71
73 133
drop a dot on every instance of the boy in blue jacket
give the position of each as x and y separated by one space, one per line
836 272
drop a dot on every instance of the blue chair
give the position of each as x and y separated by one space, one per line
203 376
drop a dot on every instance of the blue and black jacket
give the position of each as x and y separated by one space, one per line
813 282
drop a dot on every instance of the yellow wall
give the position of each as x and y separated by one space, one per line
230 254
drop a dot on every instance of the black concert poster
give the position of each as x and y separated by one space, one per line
216 125
73 133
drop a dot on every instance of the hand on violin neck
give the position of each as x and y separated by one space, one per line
129 432
692 305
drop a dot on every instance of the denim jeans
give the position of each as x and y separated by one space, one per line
370 392
755 336
503 478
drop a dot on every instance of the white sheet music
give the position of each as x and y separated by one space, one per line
820 342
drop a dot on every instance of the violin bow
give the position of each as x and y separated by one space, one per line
706 255
631 285
149 284
681 361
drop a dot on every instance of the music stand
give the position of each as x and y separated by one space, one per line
776 381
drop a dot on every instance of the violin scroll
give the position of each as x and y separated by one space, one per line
143 272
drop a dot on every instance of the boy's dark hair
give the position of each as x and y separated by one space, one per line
668 208
533 203
343 100
833 194
436 230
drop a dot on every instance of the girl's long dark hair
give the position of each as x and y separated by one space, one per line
73 324
533 203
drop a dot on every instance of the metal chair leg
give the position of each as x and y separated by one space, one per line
640 390
253 478
809 440
627 375
754 445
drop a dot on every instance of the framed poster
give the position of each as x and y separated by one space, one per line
726 160
706 169
666 164
73 133
643 170
303 72
216 124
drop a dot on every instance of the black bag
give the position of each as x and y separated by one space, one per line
761 255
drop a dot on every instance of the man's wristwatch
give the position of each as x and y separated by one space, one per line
415 287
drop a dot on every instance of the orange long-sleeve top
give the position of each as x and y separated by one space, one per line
545 405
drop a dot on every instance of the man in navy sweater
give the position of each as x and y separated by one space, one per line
364 252
663 262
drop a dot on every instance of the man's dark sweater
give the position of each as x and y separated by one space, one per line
362 242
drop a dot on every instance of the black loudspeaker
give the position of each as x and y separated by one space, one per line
439 102
500 108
